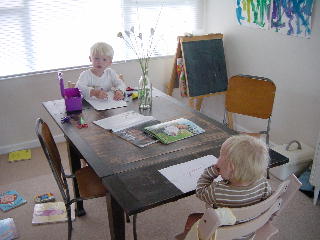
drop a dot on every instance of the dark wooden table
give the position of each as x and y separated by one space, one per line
131 173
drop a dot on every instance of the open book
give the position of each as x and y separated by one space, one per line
104 104
130 126
174 130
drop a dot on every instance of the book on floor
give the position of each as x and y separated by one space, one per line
175 130
19 155
51 212
8 230
10 199
136 134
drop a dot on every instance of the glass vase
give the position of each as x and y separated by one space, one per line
145 92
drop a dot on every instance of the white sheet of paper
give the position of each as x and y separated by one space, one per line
105 104
185 175
123 121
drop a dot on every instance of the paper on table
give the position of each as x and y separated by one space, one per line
185 175
104 104
123 120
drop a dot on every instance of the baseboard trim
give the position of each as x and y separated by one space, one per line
26 145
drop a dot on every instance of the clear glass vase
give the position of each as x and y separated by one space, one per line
145 92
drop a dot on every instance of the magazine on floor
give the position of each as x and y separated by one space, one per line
51 212
11 199
8 230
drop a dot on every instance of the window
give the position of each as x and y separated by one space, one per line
39 35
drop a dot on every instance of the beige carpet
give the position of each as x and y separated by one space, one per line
299 221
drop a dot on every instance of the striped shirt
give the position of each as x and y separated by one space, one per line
223 194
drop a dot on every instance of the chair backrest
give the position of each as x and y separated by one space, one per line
51 152
259 215
250 95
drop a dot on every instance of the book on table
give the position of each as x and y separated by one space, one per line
130 127
8 230
11 199
136 134
51 212
175 130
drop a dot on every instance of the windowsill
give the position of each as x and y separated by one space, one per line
72 68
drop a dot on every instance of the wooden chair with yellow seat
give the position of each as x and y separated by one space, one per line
255 219
252 96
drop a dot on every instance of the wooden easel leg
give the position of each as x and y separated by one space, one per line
191 103
195 103
199 103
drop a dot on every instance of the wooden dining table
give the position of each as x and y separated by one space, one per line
130 173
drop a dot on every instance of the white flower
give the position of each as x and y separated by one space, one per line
140 45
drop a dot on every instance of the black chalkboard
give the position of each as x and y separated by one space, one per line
205 66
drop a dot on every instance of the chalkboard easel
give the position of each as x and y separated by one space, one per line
204 65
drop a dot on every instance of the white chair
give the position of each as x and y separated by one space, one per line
260 216
315 172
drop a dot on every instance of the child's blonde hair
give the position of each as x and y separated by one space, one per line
249 156
102 49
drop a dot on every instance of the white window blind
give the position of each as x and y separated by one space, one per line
40 35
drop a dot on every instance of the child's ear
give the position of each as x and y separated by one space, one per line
231 166
90 59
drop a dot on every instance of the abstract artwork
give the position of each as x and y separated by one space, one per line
254 13
290 17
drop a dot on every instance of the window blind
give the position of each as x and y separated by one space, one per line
39 35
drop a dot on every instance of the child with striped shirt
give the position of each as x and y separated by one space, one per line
242 164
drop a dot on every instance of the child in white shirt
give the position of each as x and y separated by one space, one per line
100 79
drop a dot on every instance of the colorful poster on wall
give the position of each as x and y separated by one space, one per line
253 13
292 17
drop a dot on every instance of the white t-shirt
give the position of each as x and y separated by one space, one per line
108 81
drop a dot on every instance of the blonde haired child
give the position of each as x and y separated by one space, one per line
242 164
100 78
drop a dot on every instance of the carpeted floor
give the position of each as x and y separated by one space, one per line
299 221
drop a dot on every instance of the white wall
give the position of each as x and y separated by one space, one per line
291 62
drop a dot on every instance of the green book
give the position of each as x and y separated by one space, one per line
174 130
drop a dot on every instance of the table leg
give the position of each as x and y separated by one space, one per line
116 219
75 164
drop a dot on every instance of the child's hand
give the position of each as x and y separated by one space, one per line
102 94
118 95
99 94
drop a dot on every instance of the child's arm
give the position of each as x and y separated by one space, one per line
205 185
118 85
83 84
